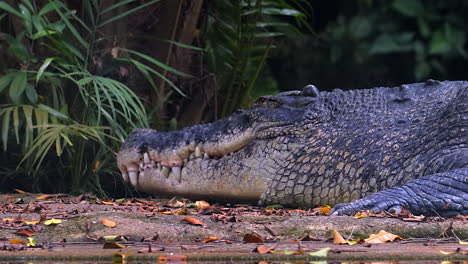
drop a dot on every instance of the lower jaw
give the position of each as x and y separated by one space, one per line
188 186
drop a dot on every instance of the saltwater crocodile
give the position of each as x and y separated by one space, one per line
401 147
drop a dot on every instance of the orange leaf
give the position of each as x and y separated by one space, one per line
381 237
96 165
201 204
44 196
19 191
193 221
262 250
25 232
108 222
211 239
17 241
338 238
447 252
171 259
325 209
252 238
108 203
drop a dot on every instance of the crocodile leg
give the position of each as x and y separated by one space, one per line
444 194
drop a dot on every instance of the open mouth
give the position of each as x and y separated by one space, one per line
170 163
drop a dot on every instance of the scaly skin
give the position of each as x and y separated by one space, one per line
409 144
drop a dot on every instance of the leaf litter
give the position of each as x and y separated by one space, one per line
50 212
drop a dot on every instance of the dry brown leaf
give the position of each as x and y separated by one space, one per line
211 239
262 250
461 242
252 238
108 203
381 237
108 222
361 214
201 204
17 241
193 221
25 232
338 238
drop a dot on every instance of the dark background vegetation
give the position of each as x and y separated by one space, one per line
77 76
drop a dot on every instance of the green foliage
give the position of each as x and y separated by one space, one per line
54 101
429 32
239 36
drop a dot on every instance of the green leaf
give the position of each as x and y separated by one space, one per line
70 26
43 33
438 43
43 67
53 112
18 85
10 9
384 44
31 93
185 46
5 80
360 27
5 127
158 63
410 8
16 123
126 13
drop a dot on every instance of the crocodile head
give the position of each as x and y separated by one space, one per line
230 159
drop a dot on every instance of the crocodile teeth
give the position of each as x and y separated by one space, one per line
206 156
146 158
133 175
165 171
141 164
177 172
191 156
125 177
198 152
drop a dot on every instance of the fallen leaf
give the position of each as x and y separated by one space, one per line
193 221
17 241
320 253
201 204
34 222
361 214
325 209
338 238
25 232
461 242
52 221
113 244
20 191
108 203
262 250
209 210
270 230
211 239
32 242
171 258
45 196
108 223
446 252
381 237
252 238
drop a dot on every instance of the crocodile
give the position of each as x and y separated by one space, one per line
378 149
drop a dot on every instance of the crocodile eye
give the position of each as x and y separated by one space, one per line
266 102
